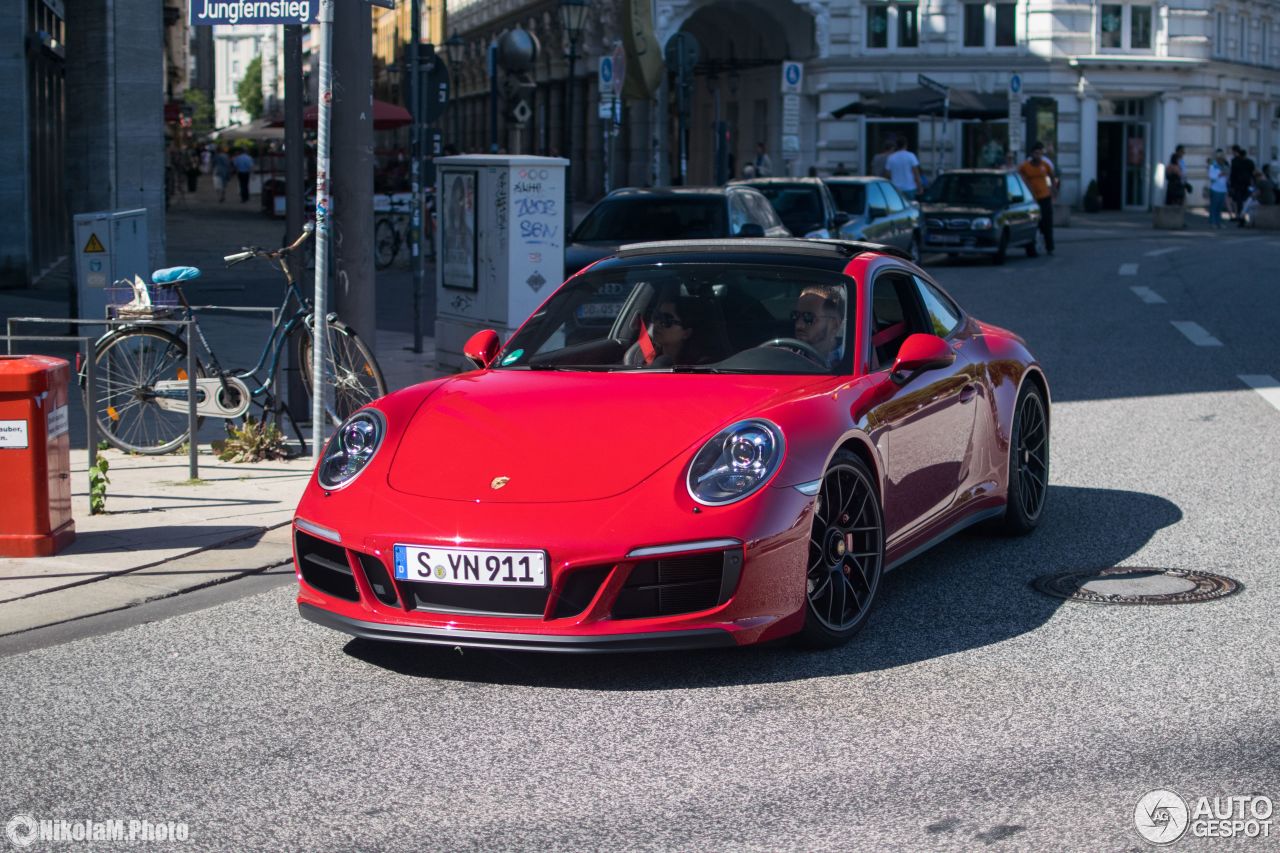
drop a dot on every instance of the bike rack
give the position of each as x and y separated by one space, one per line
91 374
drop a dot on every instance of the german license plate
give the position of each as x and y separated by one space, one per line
943 238
470 566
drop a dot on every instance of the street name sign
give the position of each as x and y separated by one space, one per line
209 12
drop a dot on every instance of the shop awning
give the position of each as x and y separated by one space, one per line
385 116
912 103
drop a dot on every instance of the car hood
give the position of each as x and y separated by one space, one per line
578 256
560 436
956 210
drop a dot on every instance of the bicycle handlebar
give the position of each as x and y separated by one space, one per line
255 252
238 257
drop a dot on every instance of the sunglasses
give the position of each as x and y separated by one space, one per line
808 317
666 320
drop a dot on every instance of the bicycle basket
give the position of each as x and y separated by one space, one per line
138 299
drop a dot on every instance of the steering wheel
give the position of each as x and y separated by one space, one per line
797 346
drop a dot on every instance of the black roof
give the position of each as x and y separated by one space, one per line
668 192
825 254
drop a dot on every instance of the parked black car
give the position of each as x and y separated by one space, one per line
979 212
878 212
635 215
805 205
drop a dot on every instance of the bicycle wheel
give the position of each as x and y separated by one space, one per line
128 363
351 371
386 242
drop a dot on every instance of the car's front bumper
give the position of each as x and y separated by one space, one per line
569 643
960 243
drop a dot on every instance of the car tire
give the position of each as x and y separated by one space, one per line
1002 250
1033 248
1028 484
846 554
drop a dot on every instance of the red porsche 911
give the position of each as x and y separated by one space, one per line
766 428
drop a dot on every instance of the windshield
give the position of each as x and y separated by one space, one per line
714 318
969 190
640 219
851 198
799 206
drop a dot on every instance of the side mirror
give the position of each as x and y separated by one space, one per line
482 348
842 218
922 352
1016 199
751 229
877 213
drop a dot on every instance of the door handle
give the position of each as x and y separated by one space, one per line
968 393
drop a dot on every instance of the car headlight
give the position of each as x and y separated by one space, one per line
736 463
351 449
982 223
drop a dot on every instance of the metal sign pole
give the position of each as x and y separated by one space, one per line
416 100
319 336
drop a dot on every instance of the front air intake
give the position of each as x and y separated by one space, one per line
324 566
680 584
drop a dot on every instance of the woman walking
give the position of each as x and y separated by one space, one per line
1175 189
1219 169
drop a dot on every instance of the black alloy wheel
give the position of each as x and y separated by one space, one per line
846 553
1028 463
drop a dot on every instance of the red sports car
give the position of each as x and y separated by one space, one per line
766 427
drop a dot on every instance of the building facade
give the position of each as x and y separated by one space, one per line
234 47
1110 87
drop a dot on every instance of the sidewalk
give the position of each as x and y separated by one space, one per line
163 534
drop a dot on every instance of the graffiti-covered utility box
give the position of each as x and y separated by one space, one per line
500 244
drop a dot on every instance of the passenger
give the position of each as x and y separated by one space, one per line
819 321
672 335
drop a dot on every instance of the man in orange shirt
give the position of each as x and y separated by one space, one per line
1039 176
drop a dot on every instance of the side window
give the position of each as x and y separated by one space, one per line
738 213
1015 188
942 313
896 204
762 211
875 196
891 313
1022 185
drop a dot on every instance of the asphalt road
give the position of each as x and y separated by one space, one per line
972 713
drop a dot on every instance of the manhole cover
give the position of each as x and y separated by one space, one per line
1136 585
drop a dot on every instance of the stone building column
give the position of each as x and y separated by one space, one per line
1088 142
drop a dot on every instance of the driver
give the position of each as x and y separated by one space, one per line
819 320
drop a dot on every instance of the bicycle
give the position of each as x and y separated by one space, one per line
142 389
391 231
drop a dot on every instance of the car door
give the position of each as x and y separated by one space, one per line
1020 209
924 432
900 235
879 225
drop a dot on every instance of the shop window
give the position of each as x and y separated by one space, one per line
893 25
975 25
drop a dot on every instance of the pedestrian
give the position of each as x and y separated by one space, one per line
840 170
193 170
877 169
1218 171
1039 176
221 172
244 168
1175 189
903 169
1240 181
764 166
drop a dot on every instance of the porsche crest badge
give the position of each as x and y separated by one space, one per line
499 482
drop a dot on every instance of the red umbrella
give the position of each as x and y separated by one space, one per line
385 116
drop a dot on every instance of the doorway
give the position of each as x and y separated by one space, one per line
880 131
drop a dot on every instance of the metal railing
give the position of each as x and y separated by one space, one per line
86 344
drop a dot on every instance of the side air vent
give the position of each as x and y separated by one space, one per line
324 566
379 579
578 589
679 584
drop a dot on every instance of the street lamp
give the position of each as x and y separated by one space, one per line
456 48
573 17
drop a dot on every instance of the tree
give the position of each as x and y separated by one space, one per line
201 111
249 89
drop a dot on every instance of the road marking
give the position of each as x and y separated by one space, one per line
1265 385
1128 269
1196 333
1155 253
1149 296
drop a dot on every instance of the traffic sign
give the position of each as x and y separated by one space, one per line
606 74
435 88
619 68
1015 83
930 83
792 77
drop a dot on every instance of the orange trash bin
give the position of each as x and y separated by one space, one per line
35 456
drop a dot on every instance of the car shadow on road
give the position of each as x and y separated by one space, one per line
972 591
